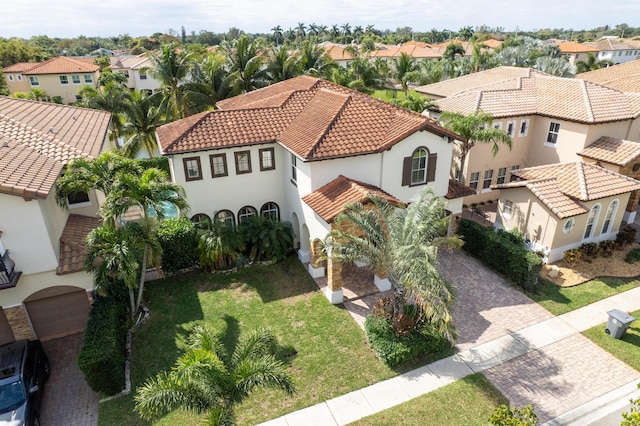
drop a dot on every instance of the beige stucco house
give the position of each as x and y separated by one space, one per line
298 151
136 69
575 52
624 77
561 206
60 76
44 293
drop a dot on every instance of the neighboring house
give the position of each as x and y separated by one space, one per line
550 119
339 53
298 151
617 50
136 69
421 50
561 206
44 293
624 77
575 52
60 76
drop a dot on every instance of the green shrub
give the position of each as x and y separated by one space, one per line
607 247
179 241
266 239
513 235
572 256
161 163
590 249
633 256
626 235
398 349
507 416
498 251
103 353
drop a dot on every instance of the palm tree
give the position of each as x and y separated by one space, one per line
415 103
322 31
267 239
212 74
315 61
245 59
431 71
357 32
141 120
219 246
282 65
474 128
401 244
206 379
277 33
405 68
177 97
334 31
112 97
346 32
555 66
465 33
301 29
591 64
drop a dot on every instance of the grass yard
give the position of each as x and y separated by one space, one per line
389 94
325 350
560 300
469 401
626 349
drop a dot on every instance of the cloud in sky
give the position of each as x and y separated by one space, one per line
25 18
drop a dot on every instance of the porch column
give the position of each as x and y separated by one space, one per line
19 323
316 267
381 281
334 281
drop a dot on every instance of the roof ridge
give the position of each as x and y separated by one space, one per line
335 118
587 99
205 114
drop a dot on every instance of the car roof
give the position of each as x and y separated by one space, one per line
11 356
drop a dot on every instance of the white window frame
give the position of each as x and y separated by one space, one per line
513 168
487 180
568 225
143 75
511 128
88 79
592 221
609 216
246 212
552 134
294 169
474 178
524 128
507 209
64 80
74 77
419 163
33 81
502 176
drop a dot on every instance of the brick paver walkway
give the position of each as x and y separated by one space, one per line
67 399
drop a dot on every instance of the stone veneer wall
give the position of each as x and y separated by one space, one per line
19 323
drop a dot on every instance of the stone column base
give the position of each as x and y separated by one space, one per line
383 284
304 256
335 297
316 272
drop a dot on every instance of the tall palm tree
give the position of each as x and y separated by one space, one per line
323 31
282 65
357 32
474 128
277 33
206 379
112 97
315 61
334 31
142 119
591 64
405 68
401 243
212 73
301 30
431 71
346 32
245 59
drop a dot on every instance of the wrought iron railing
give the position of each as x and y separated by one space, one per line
8 274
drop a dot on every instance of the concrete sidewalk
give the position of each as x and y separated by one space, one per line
581 383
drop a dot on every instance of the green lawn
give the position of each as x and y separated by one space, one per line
626 349
326 351
469 401
388 94
559 300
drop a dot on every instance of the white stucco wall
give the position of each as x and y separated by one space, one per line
32 283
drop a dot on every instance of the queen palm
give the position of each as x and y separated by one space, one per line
315 61
213 76
139 127
405 70
112 97
401 244
206 379
245 59
474 128
282 65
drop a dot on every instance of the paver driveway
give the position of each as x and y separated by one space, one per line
67 399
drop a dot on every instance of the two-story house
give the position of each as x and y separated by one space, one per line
136 69
298 151
44 293
624 77
616 50
60 76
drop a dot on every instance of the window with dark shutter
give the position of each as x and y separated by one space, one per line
431 168
406 171
420 168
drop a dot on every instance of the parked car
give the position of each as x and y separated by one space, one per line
24 368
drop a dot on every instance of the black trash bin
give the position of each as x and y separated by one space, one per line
618 323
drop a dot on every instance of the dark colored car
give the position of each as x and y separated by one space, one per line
24 368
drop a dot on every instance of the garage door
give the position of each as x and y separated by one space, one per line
6 335
58 311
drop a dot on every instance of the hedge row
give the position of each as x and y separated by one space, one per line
501 254
103 353
179 242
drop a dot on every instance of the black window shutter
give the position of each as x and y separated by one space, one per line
431 167
406 171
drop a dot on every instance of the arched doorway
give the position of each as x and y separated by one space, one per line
58 311
304 254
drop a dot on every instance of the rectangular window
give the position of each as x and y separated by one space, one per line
143 75
473 181
243 162
78 198
507 209
19 78
294 169
33 80
552 136
64 80
218 165
75 78
511 128
88 78
502 174
79 98
267 160
514 177
192 169
488 178
524 127
10 77
498 125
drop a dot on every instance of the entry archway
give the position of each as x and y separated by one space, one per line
58 311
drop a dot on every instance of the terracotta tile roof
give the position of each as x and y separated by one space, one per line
57 65
132 62
458 190
72 243
563 187
329 201
40 139
339 53
538 94
624 77
612 150
313 118
615 44
19 67
574 47
476 80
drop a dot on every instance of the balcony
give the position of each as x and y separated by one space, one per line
8 275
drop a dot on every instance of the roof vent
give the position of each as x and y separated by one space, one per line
52 130
5 144
74 117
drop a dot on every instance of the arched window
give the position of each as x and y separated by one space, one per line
245 213
226 217
609 216
568 225
420 168
270 210
591 221
201 220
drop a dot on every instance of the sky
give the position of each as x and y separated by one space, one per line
71 18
